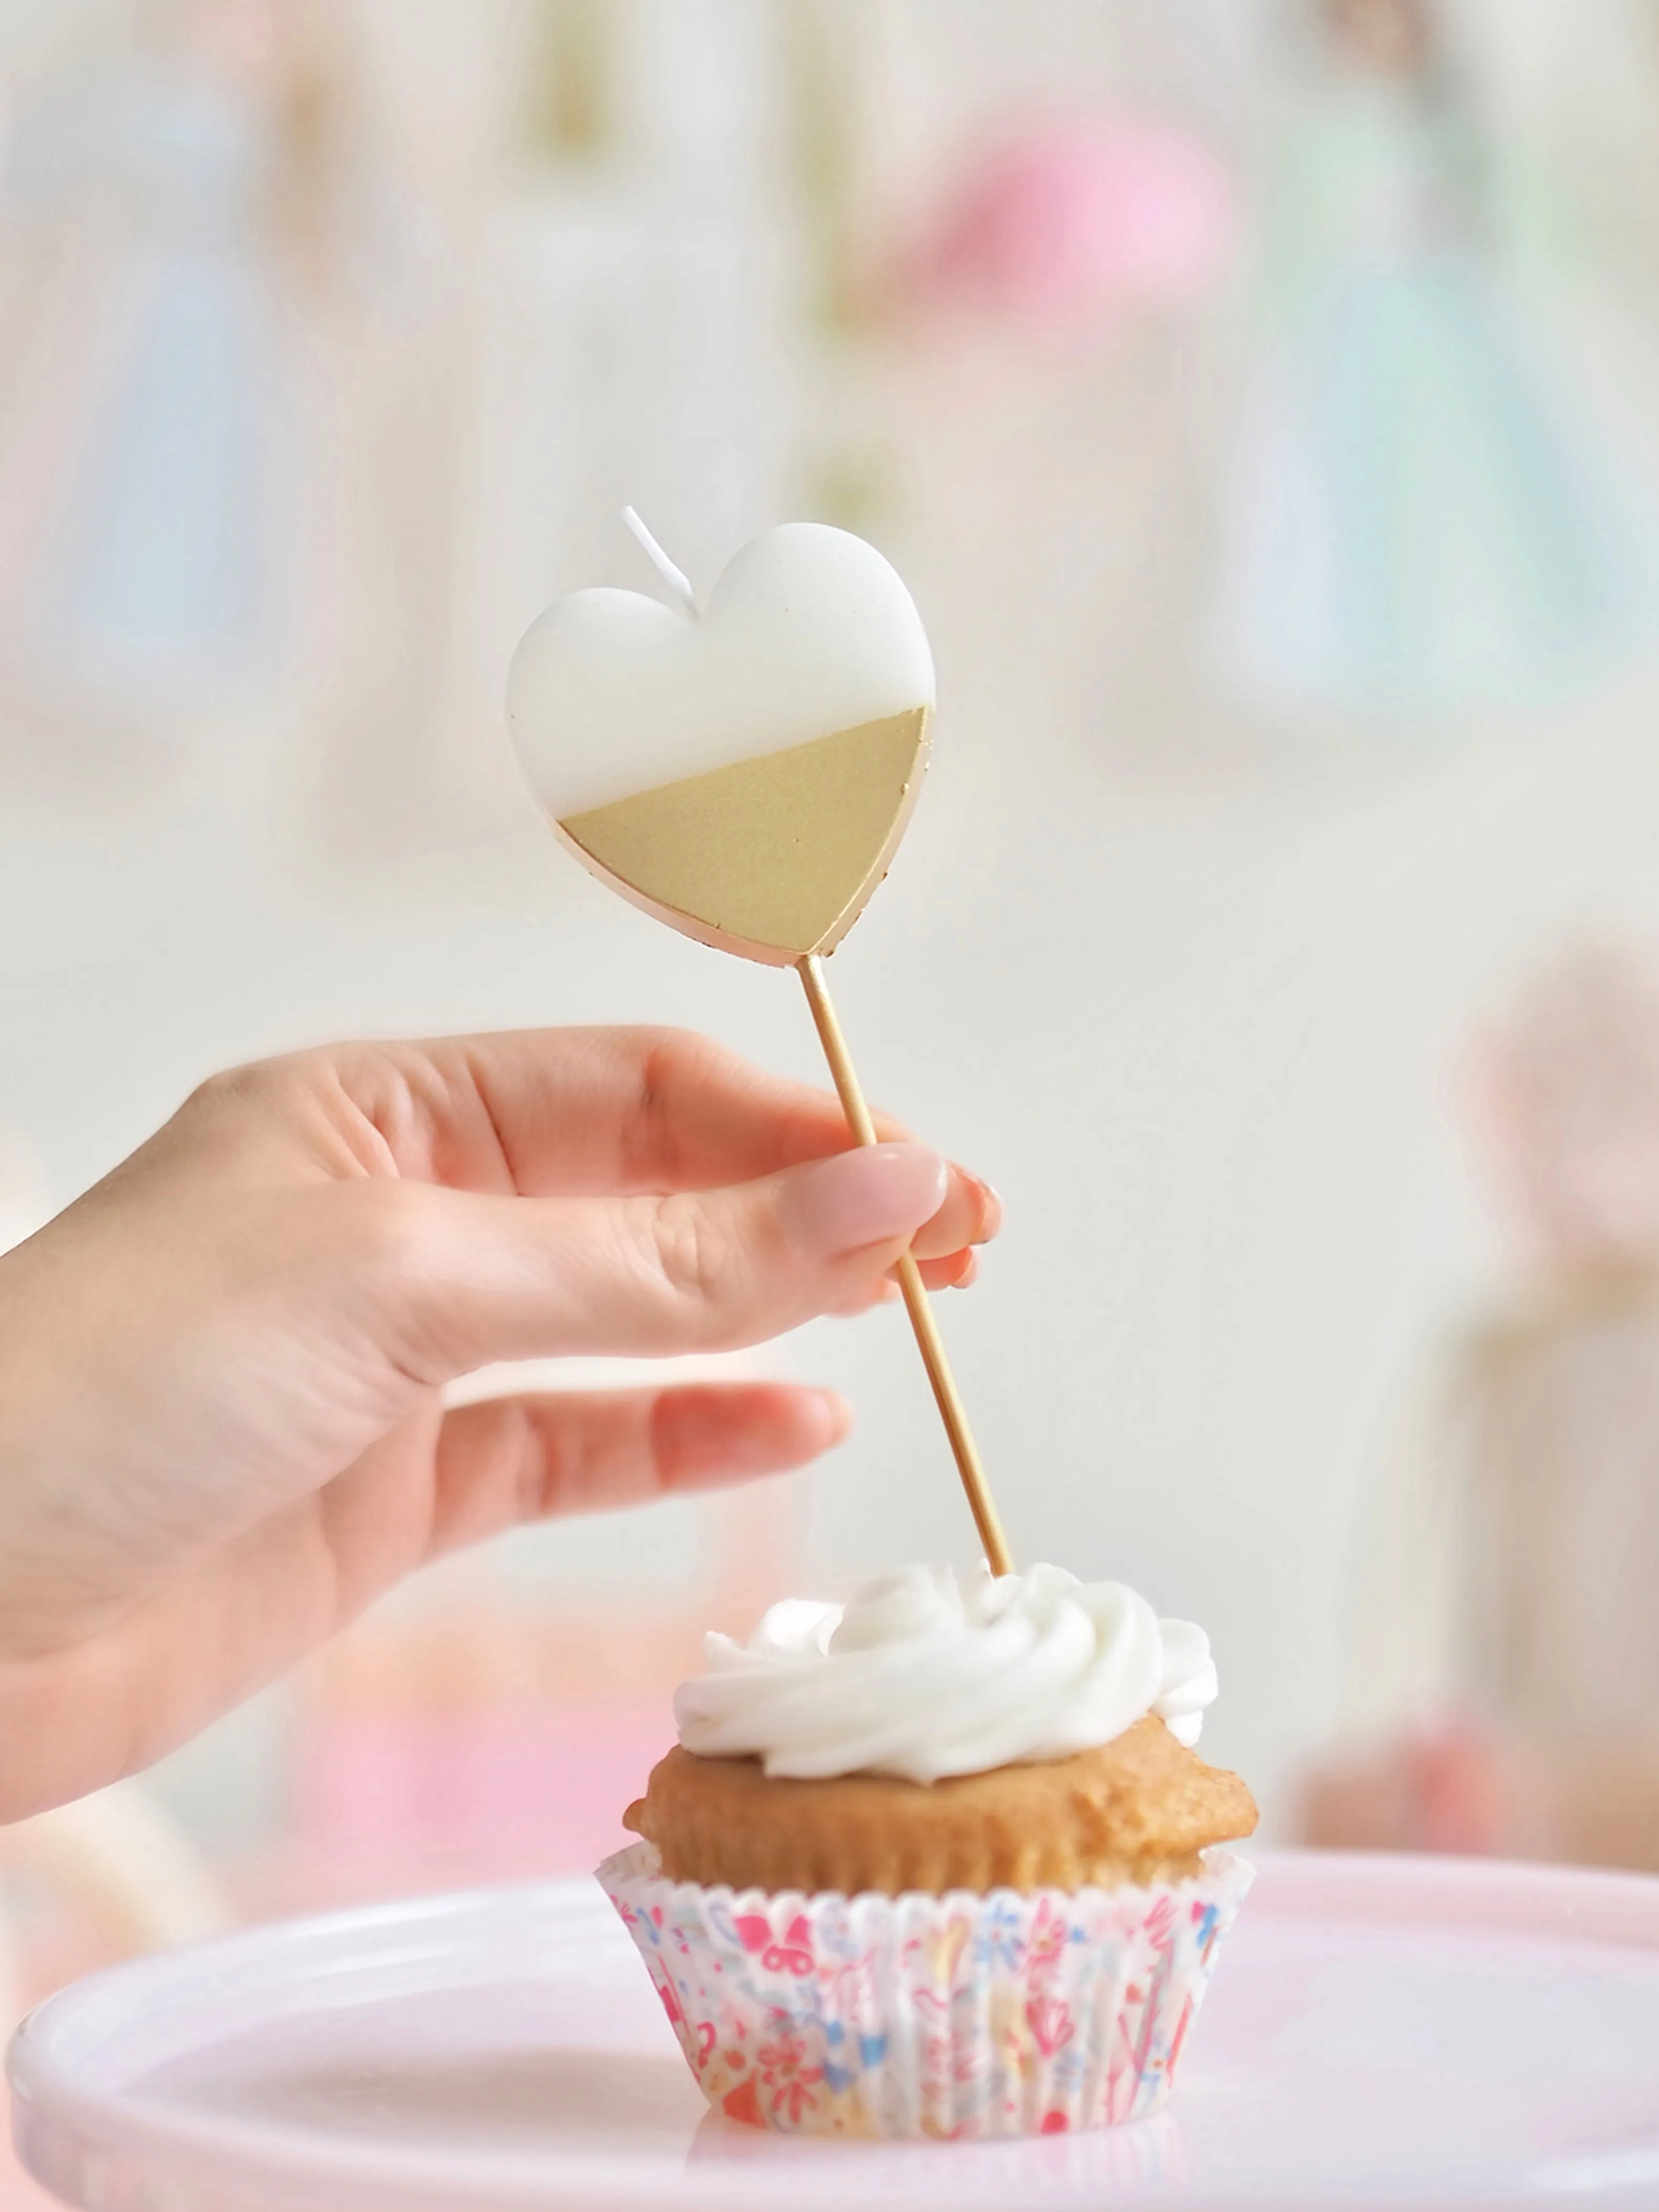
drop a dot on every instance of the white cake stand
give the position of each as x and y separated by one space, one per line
1381 2033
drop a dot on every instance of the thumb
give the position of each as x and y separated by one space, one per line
481 1278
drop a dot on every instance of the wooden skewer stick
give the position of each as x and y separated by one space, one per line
911 1286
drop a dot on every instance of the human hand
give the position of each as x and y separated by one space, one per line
221 1427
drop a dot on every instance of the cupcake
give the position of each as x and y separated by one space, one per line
941 1862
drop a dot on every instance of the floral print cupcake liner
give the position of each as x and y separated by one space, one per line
958 2016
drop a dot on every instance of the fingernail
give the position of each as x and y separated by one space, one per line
865 1197
837 1417
990 1205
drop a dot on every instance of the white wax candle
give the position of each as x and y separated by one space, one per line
808 633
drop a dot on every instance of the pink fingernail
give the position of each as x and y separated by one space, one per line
990 1201
864 1197
838 1417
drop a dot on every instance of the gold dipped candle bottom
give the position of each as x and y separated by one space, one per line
912 1289
773 857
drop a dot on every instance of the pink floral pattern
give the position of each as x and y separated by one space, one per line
956 2016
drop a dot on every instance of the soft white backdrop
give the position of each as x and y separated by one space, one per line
1190 995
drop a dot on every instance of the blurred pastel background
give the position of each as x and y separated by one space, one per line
1262 397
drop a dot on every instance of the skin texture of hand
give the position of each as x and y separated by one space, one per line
221 1432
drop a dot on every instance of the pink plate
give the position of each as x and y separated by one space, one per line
1383 2033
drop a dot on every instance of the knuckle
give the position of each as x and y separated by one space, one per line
690 1252
670 1062
253 1091
661 1045
231 1090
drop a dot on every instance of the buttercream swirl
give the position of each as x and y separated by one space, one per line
927 1672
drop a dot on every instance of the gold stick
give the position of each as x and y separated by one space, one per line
910 1284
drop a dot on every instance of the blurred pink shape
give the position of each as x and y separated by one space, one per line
478 1797
1080 219
1566 1089
1444 1787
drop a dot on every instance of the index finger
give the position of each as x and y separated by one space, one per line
553 1113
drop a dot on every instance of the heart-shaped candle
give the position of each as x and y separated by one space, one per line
745 776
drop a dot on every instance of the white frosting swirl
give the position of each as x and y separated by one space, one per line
927 1672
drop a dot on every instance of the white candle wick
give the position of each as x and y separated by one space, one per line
676 578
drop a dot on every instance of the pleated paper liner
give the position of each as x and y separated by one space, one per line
961 2017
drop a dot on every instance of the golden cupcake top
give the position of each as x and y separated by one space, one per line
1142 1808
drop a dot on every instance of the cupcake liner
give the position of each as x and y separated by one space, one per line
961 2016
